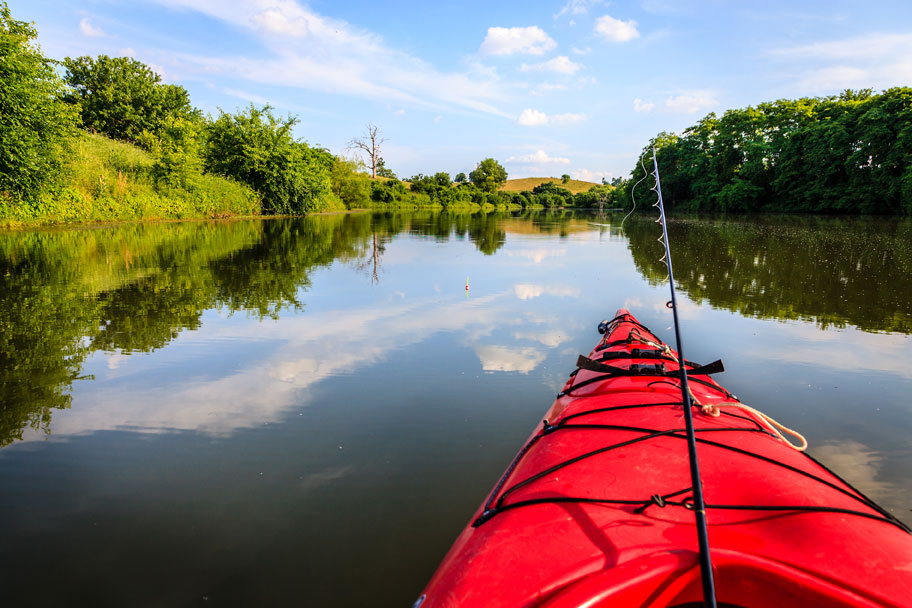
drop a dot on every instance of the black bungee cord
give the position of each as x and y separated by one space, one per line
699 505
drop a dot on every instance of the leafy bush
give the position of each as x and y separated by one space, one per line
349 183
34 122
258 149
124 99
489 175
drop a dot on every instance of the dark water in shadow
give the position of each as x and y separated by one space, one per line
306 412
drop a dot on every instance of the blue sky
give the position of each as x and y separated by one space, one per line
546 88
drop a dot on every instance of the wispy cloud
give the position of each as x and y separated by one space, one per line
528 291
691 102
590 176
577 7
509 40
506 359
314 52
536 118
87 29
547 87
561 65
872 60
539 157
615 30
642 106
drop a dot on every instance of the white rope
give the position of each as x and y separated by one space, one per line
773 425
712 409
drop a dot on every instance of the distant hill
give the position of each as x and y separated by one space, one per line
527 183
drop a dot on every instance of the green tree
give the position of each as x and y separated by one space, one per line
383 170
176 151
123 98
257 148
349 183
460 178
34 121
565 178
489 175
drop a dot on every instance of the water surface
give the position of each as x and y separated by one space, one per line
306 412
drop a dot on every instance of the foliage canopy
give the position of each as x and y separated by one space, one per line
34 121
489 175
257 148
124 98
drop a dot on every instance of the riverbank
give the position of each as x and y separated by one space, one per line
110 181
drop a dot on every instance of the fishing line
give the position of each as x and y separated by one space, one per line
699 505
633 192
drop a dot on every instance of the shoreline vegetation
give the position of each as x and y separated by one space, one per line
102 139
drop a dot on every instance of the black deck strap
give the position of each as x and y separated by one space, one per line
655 369
642 353
672 377
716 367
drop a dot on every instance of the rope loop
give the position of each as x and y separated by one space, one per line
775 427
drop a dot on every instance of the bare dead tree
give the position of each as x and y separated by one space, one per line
369 143
373 262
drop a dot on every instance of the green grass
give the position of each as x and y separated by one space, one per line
527 183
106 180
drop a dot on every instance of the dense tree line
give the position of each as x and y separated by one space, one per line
850 153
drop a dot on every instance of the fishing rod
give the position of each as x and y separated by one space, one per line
699 506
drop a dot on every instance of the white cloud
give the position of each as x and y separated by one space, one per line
873 60
509 40
528 291
245 95
313 52
537 118
300 352
547 87
561 65
539 157
642 106
552 338
871 46
691 102
90 30
616 30
577 7
584 51
532 118
859 465
504 359
537 255
590 176
566 119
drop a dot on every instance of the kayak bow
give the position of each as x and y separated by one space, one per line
596 508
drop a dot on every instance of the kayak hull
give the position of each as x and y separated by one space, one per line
595 508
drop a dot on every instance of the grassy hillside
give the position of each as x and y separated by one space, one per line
527 183
106 180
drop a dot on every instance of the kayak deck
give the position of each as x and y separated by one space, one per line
596 506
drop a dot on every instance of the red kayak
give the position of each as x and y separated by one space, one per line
596 508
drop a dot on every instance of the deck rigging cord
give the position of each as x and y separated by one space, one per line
699 504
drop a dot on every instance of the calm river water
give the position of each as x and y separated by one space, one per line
306 412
